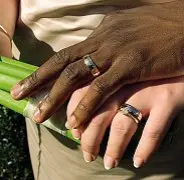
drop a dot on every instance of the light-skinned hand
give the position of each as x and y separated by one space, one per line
159 100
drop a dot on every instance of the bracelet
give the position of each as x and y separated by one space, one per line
2 29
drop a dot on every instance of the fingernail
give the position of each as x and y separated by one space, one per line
16 90
76 134
138 162
88 157
110 163
36 116
70 124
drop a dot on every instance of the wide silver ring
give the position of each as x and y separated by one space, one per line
91 65
131 112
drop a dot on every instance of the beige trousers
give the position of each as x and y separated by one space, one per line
55 157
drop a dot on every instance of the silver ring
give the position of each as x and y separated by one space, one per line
131 112
91 65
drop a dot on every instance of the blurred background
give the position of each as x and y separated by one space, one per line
14 154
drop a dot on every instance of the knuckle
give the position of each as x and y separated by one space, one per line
121 129
32 80
154 135
99 86
62 57
97 122
89 146
166 95
83 107
71 72
132 55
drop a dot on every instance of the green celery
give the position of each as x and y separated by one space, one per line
14 71
19 63
7 101
11 72
7 82
19 106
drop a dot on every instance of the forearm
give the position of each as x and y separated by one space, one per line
8 15
8 18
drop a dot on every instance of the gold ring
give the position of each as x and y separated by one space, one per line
130 111
91 65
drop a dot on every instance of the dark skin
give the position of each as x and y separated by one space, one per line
129 46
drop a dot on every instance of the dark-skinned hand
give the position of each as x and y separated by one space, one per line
129 46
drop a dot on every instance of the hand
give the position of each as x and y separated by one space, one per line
160 101
129 46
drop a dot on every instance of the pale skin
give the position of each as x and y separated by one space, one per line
159 100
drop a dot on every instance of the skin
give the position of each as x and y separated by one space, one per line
5 46
129 46
7 20
136 51
160 101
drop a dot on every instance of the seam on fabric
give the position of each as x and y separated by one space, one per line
39 152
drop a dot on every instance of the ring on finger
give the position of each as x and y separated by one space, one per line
91 65
131 112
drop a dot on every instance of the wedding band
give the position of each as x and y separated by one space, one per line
91 65
131 112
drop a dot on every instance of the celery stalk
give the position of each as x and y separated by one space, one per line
14 71
7 101
7 82
18 63
11 72
19 106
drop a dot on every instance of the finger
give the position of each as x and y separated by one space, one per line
112 102
73 76
117 98
95 129
76 133
99 91
94 132
52 68
95 96
70 79
74 100
121 132
155 129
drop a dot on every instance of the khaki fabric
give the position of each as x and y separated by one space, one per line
55 157
47 26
